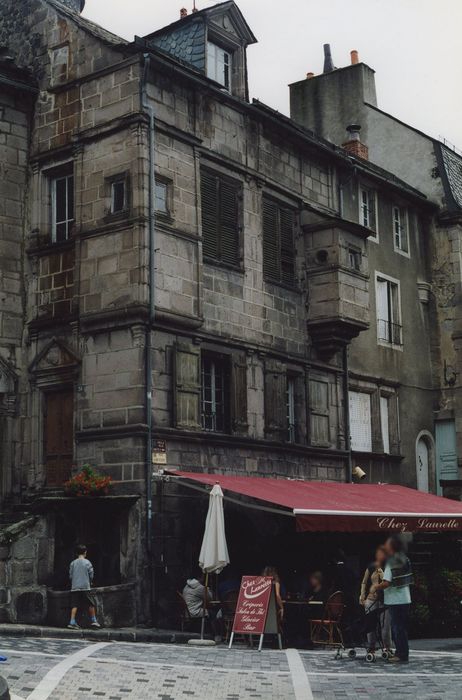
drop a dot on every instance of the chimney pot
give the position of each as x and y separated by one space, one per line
310 75
354 57
183 12
353 143
328 62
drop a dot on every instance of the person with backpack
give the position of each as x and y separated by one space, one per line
372 601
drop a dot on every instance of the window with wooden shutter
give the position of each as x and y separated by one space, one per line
215 393
187 373
278 242
276 424
220 197
319 413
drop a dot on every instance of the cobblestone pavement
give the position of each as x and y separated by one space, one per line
38 669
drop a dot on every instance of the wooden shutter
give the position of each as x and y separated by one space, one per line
372 205
271 253
385 423
229 221
209 205
187 373
275 400
220 217
286 235
360 421
319 412
240 424
278 242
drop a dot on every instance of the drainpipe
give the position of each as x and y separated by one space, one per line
346 411
149 110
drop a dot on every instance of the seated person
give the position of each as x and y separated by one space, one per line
271 572
195 595
317 590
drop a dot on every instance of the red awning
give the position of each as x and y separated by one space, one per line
338 507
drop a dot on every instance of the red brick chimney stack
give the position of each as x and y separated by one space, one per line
353 143
354 57
183 12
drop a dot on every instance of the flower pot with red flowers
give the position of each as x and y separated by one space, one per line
87 483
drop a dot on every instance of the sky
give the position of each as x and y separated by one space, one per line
413 45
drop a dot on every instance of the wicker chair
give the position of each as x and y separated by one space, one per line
327 631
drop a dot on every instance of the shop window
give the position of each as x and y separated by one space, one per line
368 209
278 242
360 421
388 310
400 230
215 396
319 413
385 423
219 65
221 218
58 436
62 206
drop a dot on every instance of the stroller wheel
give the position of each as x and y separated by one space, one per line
352 654
370 657
385 655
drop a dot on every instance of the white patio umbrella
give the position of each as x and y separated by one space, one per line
214 551
214 554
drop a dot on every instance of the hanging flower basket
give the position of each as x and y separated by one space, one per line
87 483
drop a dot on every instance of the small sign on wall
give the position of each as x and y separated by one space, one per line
159 452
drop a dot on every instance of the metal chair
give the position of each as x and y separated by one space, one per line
327 631
228 609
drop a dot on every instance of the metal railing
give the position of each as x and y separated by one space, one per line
388 332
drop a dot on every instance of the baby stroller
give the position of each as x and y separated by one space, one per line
356 633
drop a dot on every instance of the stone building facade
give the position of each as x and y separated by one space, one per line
196 277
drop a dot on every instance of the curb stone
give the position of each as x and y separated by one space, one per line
113 635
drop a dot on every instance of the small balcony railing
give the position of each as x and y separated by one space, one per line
388 332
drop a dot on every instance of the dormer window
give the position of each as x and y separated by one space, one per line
219 65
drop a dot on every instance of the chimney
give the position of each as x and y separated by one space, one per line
354 57
328 62
183 12
309 76
353 143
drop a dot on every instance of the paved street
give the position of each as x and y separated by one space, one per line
38 669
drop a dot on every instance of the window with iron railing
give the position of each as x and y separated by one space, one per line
215 393
388 310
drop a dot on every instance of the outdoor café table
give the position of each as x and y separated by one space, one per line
297 614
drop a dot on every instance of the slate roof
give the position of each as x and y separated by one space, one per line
229 6
450 167
185 43
88 26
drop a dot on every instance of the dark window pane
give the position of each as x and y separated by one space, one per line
118 196
70 195
61 200
61 232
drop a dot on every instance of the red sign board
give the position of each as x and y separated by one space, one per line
253 605
395 523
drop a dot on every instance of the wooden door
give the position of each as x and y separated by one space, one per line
58 436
